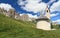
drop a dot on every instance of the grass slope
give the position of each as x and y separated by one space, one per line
11 28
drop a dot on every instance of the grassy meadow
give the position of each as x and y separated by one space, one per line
11 28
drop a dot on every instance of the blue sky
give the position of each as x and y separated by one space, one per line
23 6
16 6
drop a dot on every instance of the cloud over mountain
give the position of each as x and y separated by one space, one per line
6 6
31 16
58 21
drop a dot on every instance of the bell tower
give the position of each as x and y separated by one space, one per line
47 14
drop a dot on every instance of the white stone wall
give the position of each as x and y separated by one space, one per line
43 25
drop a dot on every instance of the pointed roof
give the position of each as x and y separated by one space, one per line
42 18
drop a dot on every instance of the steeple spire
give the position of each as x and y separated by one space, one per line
47 9
47 14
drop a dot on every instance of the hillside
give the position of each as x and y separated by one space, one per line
11 28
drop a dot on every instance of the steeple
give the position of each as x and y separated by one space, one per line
47 9
47 14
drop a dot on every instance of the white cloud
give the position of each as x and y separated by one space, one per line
6 6
52 15
51 1
55 6
32 5
58 21
32 16
21 14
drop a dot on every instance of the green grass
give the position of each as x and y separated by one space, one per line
11 28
